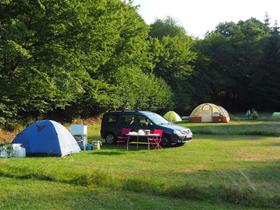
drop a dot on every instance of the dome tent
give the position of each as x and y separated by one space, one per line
172 116
47 137
208 112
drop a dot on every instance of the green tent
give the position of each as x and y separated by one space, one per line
276 115
172 116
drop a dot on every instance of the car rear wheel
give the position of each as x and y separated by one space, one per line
110 138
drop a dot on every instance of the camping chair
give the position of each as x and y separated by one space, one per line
156 140
122 137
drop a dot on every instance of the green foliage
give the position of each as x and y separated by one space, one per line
172 51
228 58
265 80
166 27
66 56
173 58
137 90
81 58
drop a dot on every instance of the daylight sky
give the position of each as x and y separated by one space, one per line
200 16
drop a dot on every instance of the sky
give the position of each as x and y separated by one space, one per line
200 16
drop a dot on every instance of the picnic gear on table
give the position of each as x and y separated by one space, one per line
149 138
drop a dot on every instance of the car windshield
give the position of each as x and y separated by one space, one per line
156 118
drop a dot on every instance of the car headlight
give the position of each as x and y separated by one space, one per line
178 133
186 132
189 132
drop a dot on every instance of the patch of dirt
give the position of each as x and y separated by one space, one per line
88 121
7 136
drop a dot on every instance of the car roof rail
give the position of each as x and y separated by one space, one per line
124 110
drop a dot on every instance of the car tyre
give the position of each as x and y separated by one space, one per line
109 138
165 140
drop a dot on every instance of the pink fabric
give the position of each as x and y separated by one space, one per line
155 141
122 137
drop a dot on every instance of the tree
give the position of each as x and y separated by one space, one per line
173 58
62 56
266 80
230 56
166 27
134 89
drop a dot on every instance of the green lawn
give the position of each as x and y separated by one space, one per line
216 169
263 128
33 194
211 172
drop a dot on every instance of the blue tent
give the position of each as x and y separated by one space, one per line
47 137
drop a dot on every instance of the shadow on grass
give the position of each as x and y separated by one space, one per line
119 149
274 144
107 153
123 147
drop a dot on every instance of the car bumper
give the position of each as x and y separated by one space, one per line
181 139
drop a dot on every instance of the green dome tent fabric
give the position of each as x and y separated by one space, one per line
172 116
276 115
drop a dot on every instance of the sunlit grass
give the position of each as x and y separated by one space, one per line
263 128
237 169
33 194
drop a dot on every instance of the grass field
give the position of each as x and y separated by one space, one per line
224 171
33 194
263 128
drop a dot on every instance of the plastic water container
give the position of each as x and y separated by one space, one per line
77 129
18 151
96 145
80 134
21 153
3 154
89 147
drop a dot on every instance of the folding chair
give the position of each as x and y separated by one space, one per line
155 141
122 137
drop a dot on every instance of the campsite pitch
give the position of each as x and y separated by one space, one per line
229 171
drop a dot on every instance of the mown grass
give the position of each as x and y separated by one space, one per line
263 116
241 170
262 128
33 194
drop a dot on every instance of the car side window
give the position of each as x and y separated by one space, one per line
112 119
144 121
127 120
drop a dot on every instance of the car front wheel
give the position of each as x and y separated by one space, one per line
109 139
165 141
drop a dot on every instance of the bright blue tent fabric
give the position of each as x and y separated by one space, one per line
47 137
